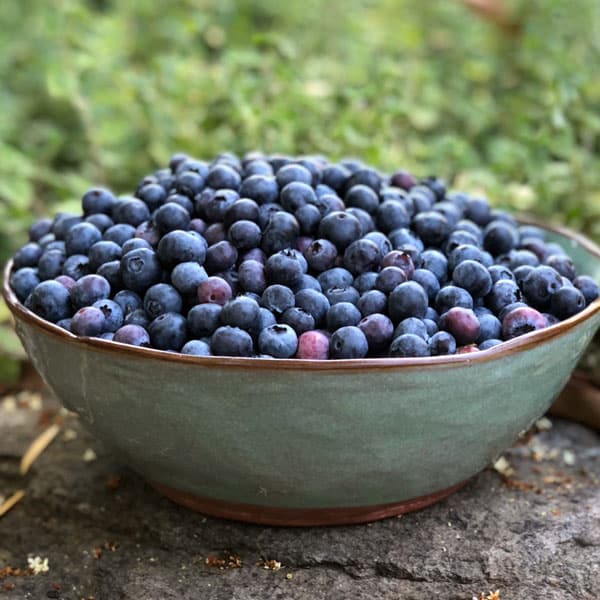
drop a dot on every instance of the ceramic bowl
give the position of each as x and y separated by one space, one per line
297 442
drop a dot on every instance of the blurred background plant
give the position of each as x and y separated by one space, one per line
499 96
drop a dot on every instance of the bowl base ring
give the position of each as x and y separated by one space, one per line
300 517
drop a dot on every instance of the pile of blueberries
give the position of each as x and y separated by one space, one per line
274 256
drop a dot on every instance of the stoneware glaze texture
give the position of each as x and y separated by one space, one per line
307 434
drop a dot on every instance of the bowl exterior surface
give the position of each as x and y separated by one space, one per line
305 438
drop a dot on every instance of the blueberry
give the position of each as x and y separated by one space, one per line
39 229
153 195
230 276
242 312
450 296
390 277
462 323
203 319
119 233
101 252
428 281
566 302
378 330
412 325
222 176
298 319
132 211
313 345
504 292
401 236
321 255
478 210
540 285
500 238
257 167
490 327
498 272
132 334
245 235
328 203
220 257
64 324
140 269
284 268
367 225
365 281
23 281
98 200
198 225
522 258
363 197
129 245
432 227
313 302
348 342
520 321
279 341
50 300
251 276
407 300
458 238
232 341
342 314
371 302
162 298
409 345
189 183
280 232
111 271
340 228
215 233
170 217
148 232
217 206
308 217
277 298
168 332
391 215
442 343
263 189
196 348
335 176
88 290
588 287
295 195
188 164
467 252
474 277
81 237
403 179
75 266
432 315
437 263
364 176
342 294
490 343
62 223
137 317
214 290
336 277
27 256
563 265
88 321
521 273
128 301
536 246
243 209
113 314
361 256
265 319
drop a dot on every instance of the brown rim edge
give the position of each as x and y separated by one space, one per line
300 517
510 347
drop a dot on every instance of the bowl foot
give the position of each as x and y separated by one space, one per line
300 517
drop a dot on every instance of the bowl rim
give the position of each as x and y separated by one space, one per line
517 344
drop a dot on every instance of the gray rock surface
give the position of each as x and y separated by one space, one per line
108 535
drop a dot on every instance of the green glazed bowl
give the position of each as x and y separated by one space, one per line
299 442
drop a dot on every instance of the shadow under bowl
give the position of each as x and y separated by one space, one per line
297 442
